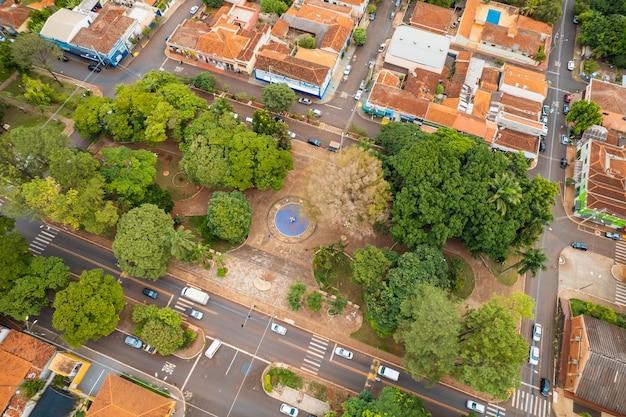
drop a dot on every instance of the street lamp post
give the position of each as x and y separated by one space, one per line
249 315
30 328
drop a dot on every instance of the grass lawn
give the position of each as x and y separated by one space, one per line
177 183
467 277
15 117
577 306
508 278
194 222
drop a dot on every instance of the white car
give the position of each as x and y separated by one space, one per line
304 100
571 65
343 353
291 134
534 355
347 70
193 10
288 409
382 47
196 314
544 130
537 332
358 94
277 328
473 405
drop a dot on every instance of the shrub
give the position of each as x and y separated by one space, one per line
268 383
338 305
296 293
314 301
221 272
31 387
242 96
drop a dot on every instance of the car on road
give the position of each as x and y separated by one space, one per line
474 406
533 357
343 353
277 328
382 47
249 120
372 16
371 64
314 142
564 140
544 387
288 409
133 341
193 10
542 146
614 236
358 94
565 109
304 100
362 85
64 58
392 15
580 246
94 68
537 332
150 293
571 65
563 163
544 120
567 97
291 134
347 70
196 314
575 19
279 119
544 130
545 110
316 112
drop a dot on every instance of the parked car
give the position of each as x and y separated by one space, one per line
614 236
542 146
474 406
571 65
392 15
347 70
567 98
358 94
371 64
277 328
564 140
133 341
343 353
314 142
317 112
575 19
544 387
249 120
544 130
150 293
544 120
362 85
279 119
193 10
94 68
291 134
580 246
537 332
372 16
563 163
382 47
196 314
307 101
533 357
64 58
289 410
565 109
545 110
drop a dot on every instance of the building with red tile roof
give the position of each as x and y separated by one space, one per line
500 30
612 101
432 18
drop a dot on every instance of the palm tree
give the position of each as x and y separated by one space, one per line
506 192
200 253
181 241
530 7
532 261
219 108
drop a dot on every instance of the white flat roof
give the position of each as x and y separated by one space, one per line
420 46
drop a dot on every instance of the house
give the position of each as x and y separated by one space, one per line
14 16
612 101
119 397
412 48
432 18
503 32
229 42
595 362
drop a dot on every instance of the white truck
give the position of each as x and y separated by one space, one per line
388 373
195 295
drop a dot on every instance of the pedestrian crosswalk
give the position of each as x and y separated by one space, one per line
530 403
620 293
314 354
182 306
620 252
42 240
495 410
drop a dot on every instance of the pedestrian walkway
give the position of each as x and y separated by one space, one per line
620 293
495 410
532 404
620 252
42 240
315 354
271 262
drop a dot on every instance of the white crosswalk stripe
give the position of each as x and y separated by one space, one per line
533 404
620 293
42 240
495 410
314 354
620 252
182 306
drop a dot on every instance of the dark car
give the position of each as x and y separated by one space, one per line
563 163
544 387
150 293
575 20
614 236
94 68
279 119
64 58
314 142
372 16
565 109
580 246
542 146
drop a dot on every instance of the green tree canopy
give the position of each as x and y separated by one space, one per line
369 266
128 172
584 114
89 308
139 245
277 7
278 97
31 50
159 327
14 255
359 36
229 216
391 402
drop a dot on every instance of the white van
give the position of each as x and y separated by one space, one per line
212 350
195 295
388 373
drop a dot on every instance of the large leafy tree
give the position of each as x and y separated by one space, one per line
369 266
229 216
277 7
429 330
584 114
140 245
348 191
278 97
602 29
391 402
14 255
29 293
359 36
72 168
31 50
128 172
89 308
160 327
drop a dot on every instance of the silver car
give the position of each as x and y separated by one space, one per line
277 328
